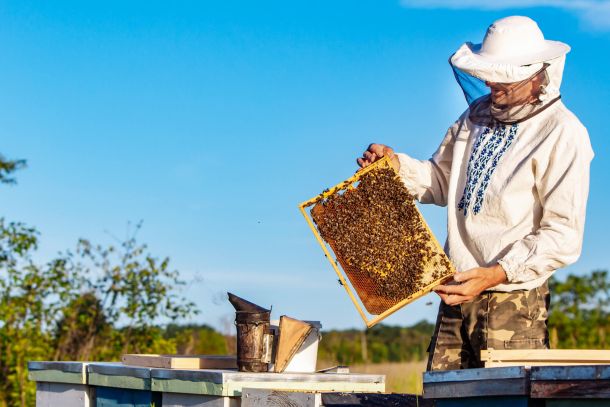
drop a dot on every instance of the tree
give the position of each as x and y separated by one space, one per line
385 344
83 329
135 290
197 340
30 298
7 168
93 303
580 315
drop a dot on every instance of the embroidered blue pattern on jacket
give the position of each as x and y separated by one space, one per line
487 152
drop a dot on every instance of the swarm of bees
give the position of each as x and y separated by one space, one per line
378 234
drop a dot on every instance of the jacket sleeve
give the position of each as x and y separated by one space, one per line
428 180
562 183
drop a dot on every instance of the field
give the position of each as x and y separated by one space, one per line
401 377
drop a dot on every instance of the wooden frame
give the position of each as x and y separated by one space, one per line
341 274
544 357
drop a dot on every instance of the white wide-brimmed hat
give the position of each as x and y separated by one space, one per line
513 49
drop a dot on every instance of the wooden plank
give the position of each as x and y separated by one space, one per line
117 369
544 357
570 373
112 397
62 394
198 400
119 382
478 388
511 401
235 389
564 389
506 381
578 382
180 361
279 398
68 367
531 363
119 376
443 376
546 354
230 383
227 376
58 372
56 376
374 400
577 403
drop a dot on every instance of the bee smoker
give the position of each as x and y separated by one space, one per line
254 338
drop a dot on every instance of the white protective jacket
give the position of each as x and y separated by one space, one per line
516 194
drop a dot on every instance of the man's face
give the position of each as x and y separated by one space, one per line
514 93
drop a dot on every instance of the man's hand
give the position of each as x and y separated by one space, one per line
470 284
375 152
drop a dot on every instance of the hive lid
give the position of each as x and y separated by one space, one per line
242 305
292 335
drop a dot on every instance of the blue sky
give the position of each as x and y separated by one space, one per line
211 121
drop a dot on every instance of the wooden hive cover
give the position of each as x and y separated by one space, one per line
180 361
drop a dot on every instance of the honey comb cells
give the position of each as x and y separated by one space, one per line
380 238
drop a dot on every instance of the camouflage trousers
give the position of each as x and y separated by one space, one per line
493 320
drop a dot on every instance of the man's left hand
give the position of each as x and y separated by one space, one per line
470 284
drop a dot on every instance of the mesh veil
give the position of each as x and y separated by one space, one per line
509 108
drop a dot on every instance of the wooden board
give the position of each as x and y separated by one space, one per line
573 382
112 374
483 382
496 401
198 400
228 383
571 389
180 361
58 372
114 397
374 400
544 357
279 398
63 394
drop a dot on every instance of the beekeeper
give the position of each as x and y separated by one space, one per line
513 171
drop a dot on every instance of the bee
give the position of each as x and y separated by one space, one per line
375 227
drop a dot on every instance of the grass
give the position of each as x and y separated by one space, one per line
401 377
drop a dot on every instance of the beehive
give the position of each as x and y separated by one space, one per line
381 242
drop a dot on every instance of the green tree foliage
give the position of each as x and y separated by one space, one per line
94 303
382 343
580 314
83 330
197 340
7 168
30 298
134 290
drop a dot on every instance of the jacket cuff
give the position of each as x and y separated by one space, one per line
513 269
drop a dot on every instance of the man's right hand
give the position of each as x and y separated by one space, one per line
375 152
